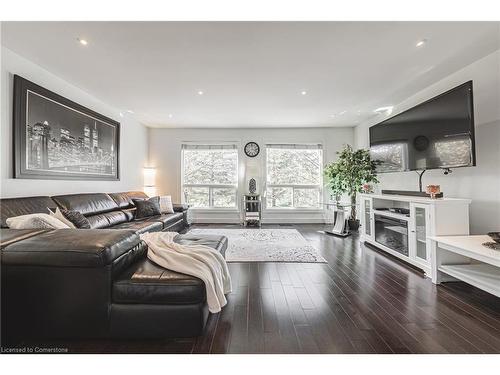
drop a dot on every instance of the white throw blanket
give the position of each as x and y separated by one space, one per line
196 260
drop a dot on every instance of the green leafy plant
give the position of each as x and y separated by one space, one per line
348 174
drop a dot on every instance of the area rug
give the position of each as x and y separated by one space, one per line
266 245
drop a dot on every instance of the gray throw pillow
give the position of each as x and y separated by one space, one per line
77 218
147 207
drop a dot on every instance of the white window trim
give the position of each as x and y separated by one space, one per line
236 208
318 209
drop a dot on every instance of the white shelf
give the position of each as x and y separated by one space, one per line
482 276
391 214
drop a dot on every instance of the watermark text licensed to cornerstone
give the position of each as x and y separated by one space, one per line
32 350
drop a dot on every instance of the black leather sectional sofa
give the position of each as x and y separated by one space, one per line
98 282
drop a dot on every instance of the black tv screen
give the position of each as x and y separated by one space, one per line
438 133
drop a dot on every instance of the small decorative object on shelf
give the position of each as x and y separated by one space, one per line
492 245
367 188
495 236
433 190
252 186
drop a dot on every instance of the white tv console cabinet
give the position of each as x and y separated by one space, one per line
407 236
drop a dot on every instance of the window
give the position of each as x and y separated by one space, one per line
294 175
210 175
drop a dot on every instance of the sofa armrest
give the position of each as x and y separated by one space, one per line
178 207
71 248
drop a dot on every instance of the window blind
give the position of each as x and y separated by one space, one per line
295 146
193 146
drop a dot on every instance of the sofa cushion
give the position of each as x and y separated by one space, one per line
87 204
167 219
147 283
70 248
23 206
129 213
124 199
178 207
107 219
9 236
140 226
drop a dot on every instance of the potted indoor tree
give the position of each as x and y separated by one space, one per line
348 174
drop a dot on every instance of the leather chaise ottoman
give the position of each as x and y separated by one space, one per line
149 301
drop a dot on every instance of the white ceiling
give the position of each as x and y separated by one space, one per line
251 73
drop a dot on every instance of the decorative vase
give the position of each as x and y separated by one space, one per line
252 186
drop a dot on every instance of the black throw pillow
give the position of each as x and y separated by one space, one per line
147 207
77 218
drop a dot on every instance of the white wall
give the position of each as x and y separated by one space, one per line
165 155
480 183
133 135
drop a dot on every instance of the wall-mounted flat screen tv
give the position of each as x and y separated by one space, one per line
438 133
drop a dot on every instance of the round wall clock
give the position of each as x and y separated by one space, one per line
252 149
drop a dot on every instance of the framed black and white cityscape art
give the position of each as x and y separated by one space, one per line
56 138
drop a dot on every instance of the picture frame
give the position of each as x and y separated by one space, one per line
55 138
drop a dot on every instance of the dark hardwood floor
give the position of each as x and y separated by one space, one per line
362 301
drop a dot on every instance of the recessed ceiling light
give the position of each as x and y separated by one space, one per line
200 92
130 111
421 42
170 115
386 110
121 114
342 113
83 42
303 92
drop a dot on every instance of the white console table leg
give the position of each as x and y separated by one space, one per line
434 263
441 257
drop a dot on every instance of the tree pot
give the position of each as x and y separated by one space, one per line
353 225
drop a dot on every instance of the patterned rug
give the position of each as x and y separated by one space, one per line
266 245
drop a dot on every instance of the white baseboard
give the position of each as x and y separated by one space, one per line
215 220
293 220
274 220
